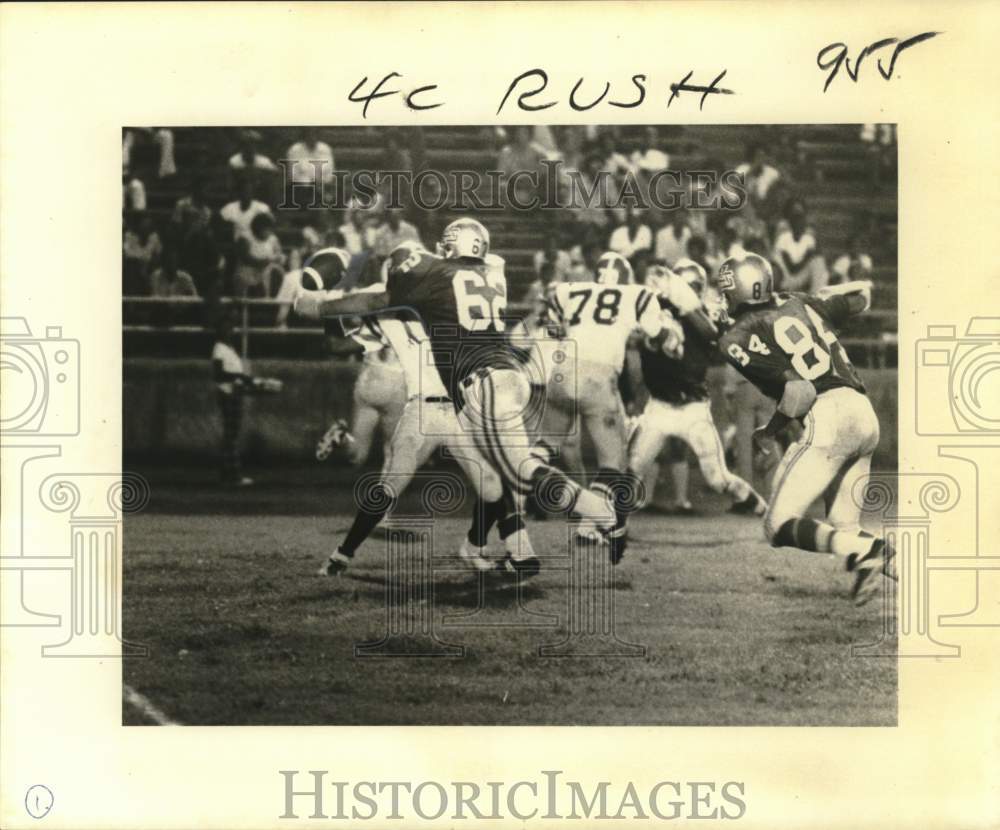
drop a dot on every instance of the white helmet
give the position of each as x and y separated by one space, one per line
465 237
614 269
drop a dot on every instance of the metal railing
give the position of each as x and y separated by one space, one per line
877 349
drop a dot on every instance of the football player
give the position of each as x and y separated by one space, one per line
426 422
600 317
460 299
786 344
677 384
379 393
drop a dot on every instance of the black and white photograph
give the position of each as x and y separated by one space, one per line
470 414
510 425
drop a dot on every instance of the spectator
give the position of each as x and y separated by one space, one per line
169 281
797 252
612 160
648 158
523 154
164 139
393 232
854 264
133 194
586 196
231 380
585 268
258 257
672 239
241 212
199 255
881 141
310 240
631 236
697 251
358 233
743 225
553 257
192 209
247 157
141 250
312 160
759 176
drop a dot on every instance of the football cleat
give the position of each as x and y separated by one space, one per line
474 557
528 566
335 437
866 569
752 505
336 564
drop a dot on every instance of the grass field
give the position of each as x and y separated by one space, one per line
711 626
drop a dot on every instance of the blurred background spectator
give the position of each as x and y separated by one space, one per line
796 250
311 160
258 258
141 250
854 264
631 236
170 281
672 238
393 232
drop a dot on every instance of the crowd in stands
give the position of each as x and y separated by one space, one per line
772 221
224 235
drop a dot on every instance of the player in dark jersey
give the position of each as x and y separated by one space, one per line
677 384
461 300
787 346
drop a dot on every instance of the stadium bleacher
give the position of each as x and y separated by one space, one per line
829 165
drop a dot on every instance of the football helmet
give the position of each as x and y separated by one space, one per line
693 274
745 280
325 269
465 237
614 269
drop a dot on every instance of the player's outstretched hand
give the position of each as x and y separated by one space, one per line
308 304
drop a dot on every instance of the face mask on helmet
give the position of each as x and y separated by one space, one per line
613 269
465 237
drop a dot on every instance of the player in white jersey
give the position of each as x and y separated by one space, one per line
427 422
379 393
460 298
599 319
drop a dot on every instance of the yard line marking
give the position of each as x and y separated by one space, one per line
145 705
